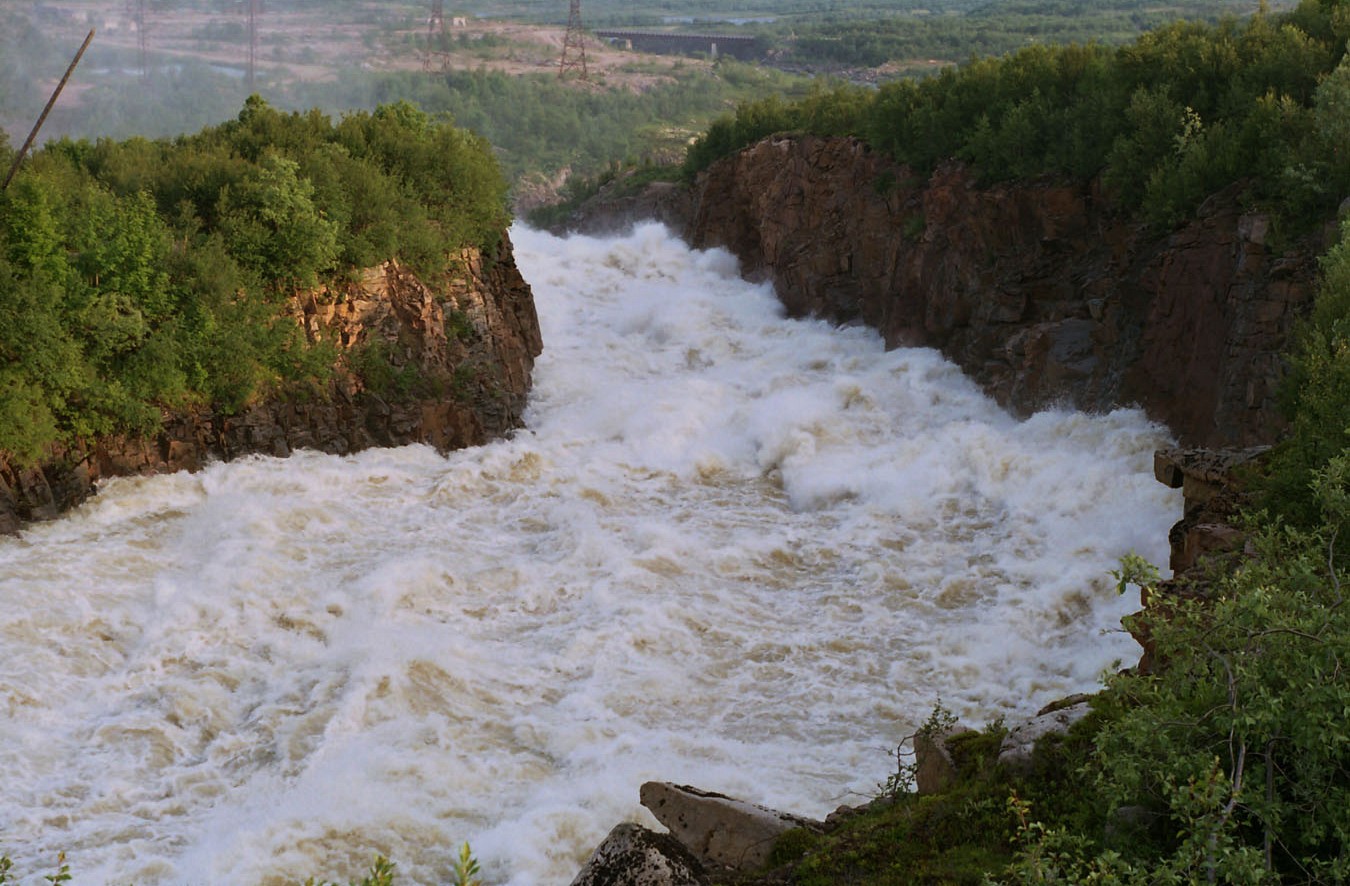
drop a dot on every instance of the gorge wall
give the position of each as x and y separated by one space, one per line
1039 291
466 351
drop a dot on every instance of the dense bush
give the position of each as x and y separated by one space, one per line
144 274
1237 744
1165 120
1317 393
539 124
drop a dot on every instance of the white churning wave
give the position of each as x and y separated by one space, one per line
731 549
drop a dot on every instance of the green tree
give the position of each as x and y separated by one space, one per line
120 247
273 227
30 221
1331 114
1317 391
43 368
1238 741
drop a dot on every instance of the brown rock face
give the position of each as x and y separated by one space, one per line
470 345
1038 291
1215 491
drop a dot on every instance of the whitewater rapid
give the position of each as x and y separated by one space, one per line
730 550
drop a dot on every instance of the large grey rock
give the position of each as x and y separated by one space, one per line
717 829
631 855
1020 742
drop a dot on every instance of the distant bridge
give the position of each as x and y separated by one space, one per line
713 45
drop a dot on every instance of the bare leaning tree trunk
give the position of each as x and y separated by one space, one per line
56 93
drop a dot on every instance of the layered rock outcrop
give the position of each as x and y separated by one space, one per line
1039 291
464 353
1213 495
1216 490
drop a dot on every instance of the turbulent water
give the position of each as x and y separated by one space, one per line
731 550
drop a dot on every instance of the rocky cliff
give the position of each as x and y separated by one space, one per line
456 360
1040 292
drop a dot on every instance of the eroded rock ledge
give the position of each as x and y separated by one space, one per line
473 340
1039 291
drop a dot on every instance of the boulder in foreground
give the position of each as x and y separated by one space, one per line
633 856
718 830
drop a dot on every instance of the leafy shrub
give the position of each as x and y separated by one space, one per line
381 874
142 275
1238 741
273 227
373 364
1316 393
1183 111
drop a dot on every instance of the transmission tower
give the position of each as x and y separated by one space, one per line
574 45
437 59
136 11
254 10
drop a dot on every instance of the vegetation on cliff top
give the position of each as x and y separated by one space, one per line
913 39
541 126
139 275
1165 121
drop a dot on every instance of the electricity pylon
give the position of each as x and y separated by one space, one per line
254 10
136 11
574 45
436 59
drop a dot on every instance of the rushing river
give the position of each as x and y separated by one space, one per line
731 550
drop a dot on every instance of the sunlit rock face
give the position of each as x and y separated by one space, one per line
1039 291
469 341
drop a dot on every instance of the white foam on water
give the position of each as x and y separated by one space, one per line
731 550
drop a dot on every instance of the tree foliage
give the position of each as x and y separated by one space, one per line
1316 392
1239 744
1165 120
145 274
539 124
